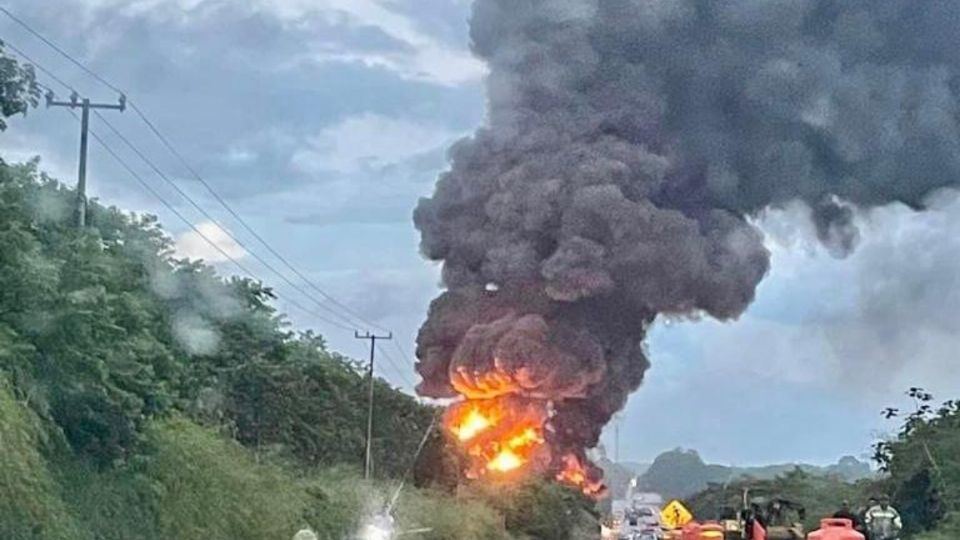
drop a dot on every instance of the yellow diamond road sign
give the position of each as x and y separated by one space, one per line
675 515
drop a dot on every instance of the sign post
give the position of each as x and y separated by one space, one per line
675 515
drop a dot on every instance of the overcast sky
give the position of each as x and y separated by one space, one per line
323 121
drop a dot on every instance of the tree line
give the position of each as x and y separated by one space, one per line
918 470
144 395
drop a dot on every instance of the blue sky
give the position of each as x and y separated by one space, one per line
323 121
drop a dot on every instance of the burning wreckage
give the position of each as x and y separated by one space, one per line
628 144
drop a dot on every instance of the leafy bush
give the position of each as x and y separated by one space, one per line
920 461
449 518
30 502
541 510
18 88
194 484
106 329
130 381
949 529
821 496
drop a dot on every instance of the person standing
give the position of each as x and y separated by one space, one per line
846 513
862 512
883 521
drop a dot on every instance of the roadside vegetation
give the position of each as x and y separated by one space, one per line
919 470
144 396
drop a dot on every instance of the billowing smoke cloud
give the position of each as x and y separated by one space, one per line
627 144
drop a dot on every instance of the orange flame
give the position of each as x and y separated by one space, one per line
505 461
504 436
499 436
528 437
575 474
471 425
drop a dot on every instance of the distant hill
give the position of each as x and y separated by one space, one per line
680 472
635 467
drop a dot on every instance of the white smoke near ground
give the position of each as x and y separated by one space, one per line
195 334
378 527
377 522
209 242
202 298
306 534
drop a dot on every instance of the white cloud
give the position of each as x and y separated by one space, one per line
20 146
432 64
240 156
195 245
873 324
368 141
427 58
423 57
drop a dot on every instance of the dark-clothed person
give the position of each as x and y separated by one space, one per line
846 513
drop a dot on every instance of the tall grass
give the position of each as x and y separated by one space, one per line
30 501
190 483
448 518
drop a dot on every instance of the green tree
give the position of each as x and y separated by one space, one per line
820 495
539 510
18 87
921 465
311 404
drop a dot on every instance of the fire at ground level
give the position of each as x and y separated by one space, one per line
508 437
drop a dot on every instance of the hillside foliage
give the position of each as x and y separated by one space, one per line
143 396
680 473
104 329
918 466
920 461
819 495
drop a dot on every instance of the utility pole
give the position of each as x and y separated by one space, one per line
368 456
85 106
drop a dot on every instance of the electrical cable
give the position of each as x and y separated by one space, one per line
146 185
169 146
199 208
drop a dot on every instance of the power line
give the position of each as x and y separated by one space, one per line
393 364
63 53
368 458
206 214
188 198
85 106
169 146
373 338
166 143
146 185
396 369
403 353
160 173
37 65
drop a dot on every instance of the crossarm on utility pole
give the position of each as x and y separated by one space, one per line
85 105
368 457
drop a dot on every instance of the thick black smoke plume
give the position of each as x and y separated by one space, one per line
627 144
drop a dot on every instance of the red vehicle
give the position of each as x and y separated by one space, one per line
835 529
703 531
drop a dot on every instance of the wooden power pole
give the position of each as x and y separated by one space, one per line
85 106
368 457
